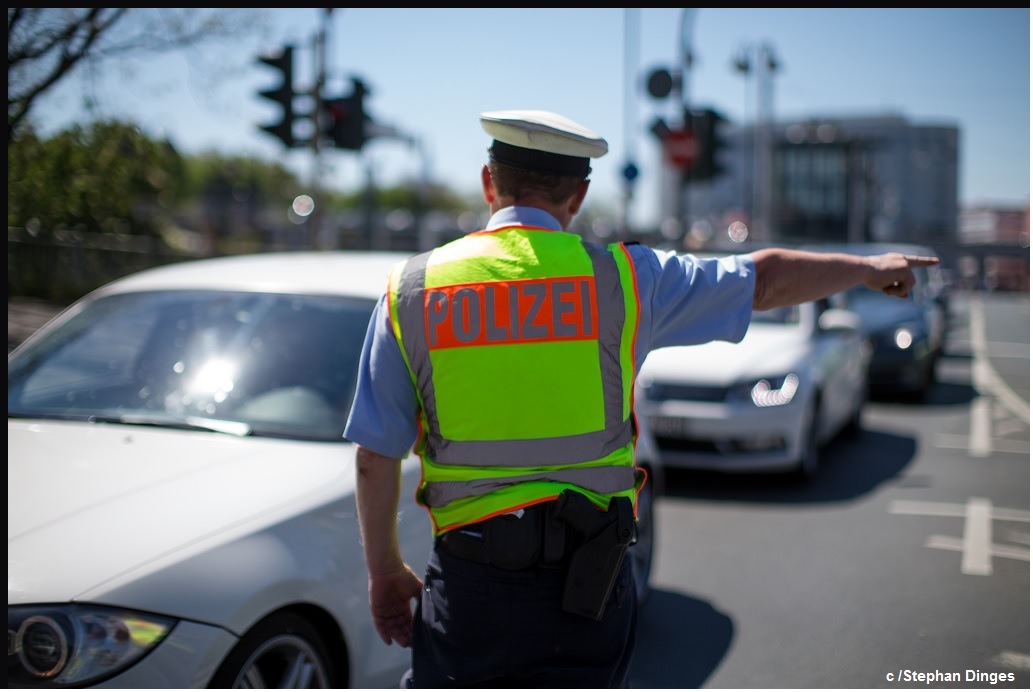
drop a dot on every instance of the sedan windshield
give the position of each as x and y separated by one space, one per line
239 363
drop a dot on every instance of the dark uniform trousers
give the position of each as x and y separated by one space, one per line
480 625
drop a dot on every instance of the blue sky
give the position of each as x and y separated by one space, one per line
432 71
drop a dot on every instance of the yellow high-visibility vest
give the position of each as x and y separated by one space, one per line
520 344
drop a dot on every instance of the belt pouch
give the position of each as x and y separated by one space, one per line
514 542
594 565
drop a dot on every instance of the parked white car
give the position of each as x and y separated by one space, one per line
181 508
766 404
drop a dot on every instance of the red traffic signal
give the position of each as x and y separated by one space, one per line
346 118
681 148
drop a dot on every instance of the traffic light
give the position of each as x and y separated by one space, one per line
706 126
346 118
282 95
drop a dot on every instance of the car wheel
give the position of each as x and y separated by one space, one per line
641 552
807 468
284 651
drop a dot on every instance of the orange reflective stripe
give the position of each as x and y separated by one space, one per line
510 312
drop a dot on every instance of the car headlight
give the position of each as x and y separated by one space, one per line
76 644
767 391
903 338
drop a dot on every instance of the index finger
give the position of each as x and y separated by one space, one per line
921 261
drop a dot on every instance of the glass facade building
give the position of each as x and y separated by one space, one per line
878 179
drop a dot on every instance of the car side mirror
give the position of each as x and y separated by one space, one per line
837 320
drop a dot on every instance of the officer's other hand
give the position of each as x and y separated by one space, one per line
893 275
390 601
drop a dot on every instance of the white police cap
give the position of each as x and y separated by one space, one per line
542 141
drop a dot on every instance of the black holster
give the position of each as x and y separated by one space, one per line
602 540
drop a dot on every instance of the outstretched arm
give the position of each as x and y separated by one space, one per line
790 277
392 584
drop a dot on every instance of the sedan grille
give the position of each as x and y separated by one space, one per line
664 391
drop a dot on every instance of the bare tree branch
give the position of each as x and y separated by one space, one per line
45 45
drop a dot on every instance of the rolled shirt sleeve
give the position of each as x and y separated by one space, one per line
383 416
687 300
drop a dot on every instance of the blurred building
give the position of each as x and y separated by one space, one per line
994 252
823 180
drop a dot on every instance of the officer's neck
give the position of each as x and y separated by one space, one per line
562 212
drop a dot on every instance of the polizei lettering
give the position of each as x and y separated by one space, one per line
508 312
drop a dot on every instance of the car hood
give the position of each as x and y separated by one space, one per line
765 350
92 506
879 314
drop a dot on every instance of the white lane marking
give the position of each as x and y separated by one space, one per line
980 437
975 556
954 543
1013 659
975 545
984 378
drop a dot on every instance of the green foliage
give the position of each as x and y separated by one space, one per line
412 197
240 179
110 178
105 178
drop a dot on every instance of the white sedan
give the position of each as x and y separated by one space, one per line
766 404
181 509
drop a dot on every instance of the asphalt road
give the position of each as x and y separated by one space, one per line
904 565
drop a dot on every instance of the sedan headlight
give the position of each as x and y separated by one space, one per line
903 338
767 391
76 644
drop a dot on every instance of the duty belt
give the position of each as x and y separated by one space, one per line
571 532
514 541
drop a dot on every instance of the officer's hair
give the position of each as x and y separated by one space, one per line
520 183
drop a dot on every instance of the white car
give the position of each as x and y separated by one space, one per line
766 404
181 509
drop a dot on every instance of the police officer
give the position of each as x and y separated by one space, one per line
506 360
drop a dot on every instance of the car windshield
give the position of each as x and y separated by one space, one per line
243 363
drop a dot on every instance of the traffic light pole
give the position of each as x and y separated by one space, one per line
681 196
765 65
324 237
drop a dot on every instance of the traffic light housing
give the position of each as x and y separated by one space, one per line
346 118
706 126
283 95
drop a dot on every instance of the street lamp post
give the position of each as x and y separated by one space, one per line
741 63
630 102
760 59
681 85
675 82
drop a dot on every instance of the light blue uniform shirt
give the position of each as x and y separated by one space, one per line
683 300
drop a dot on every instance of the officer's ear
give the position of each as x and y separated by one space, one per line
578 198
487 185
